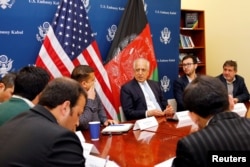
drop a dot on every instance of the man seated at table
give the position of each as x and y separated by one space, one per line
234 83
219 129
94 110
141 97
45 134
189 65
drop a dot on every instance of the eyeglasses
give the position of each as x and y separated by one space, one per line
187 65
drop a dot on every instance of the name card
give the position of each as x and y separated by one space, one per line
184 119
240 109
145 123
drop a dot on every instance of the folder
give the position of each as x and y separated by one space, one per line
117 128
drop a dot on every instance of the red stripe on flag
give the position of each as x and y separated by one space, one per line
97 72
99 76
56 58
40 63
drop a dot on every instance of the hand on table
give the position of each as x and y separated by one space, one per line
110 122
155 112
169 111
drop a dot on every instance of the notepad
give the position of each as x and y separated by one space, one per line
240 109
117 128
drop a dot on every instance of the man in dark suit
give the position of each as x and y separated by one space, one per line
234 83
140 97
219 129
45 134
189 65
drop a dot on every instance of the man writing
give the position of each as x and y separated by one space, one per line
45 134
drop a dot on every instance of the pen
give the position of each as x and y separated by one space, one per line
116 125
106 161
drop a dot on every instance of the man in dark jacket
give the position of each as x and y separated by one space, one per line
45 134
221 132
234 83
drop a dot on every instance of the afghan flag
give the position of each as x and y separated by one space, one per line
132 40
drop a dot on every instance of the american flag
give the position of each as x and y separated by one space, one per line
70 42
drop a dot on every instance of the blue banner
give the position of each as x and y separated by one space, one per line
25 23
22 29
163 17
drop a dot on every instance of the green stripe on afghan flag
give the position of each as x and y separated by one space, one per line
154 76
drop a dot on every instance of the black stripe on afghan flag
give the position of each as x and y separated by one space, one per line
133 21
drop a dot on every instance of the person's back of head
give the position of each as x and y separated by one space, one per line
30 81
8 80
7 85
206 96
60 90
81 73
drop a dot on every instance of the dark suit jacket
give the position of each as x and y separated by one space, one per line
240 90
178 89
34 139
225 131
133 101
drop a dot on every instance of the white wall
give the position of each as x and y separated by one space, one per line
227 26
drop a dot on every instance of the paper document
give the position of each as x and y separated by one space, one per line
89 148
240 109
80 136
167 163
93 161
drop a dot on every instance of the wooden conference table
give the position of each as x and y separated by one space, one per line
141 148
144 148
